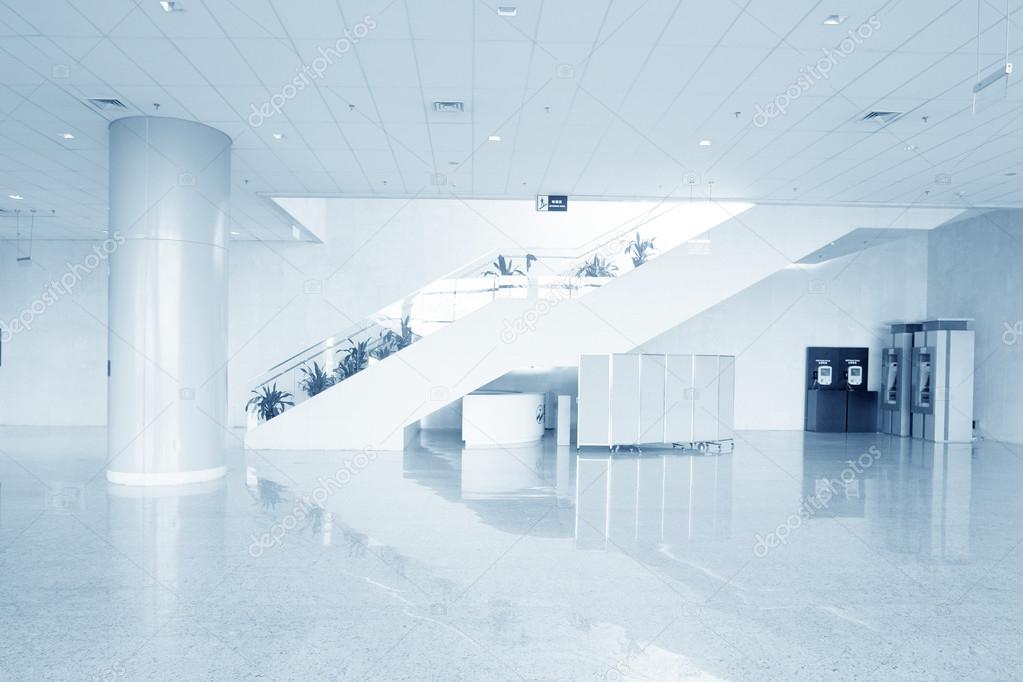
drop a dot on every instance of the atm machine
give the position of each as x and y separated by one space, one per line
942 381
896 378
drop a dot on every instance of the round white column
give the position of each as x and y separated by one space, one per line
167 392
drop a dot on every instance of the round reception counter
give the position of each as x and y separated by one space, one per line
496 418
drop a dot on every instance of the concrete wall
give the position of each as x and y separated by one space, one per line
53 313
844 302
976 270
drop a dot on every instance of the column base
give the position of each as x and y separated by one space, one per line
168 478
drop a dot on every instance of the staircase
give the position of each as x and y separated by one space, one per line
551 326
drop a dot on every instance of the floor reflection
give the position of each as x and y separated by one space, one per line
669 498
537 563
636 501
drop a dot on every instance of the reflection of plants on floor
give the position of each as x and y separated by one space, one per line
640 250
356 543
355 360
315 380
270 493
268 402
598 267
391 341
317 518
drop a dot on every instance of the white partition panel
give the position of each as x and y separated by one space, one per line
705 394
678 395
594 415
633 399
726 397
652 372
625 398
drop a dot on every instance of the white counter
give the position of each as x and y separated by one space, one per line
494 418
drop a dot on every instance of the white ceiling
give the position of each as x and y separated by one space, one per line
594 98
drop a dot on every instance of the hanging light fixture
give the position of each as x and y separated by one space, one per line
31 233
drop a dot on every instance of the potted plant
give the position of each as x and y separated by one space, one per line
391 341
268 402
640 250
315 380
503 267
355 360
598 267
509 278
595 273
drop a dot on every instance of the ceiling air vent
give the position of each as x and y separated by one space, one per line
883 117
106 103
449 107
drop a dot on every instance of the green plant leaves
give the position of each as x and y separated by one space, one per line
268 402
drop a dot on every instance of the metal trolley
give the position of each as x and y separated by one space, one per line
709 447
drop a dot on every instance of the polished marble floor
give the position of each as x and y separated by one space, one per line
797 556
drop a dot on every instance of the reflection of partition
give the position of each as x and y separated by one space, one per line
632 399
651 502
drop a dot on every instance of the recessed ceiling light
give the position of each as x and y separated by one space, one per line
494 138
910 147
834 20
235 234
705 143
17 197
278 136
507 11
170 6
68 136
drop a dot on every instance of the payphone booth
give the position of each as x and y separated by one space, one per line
837 398
942 381
897 362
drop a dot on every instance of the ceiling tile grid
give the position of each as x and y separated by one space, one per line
605 98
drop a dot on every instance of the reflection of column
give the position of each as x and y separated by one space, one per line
160 531
563 472
950 501
169 192
502 472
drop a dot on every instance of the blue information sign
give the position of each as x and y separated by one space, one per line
552 202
